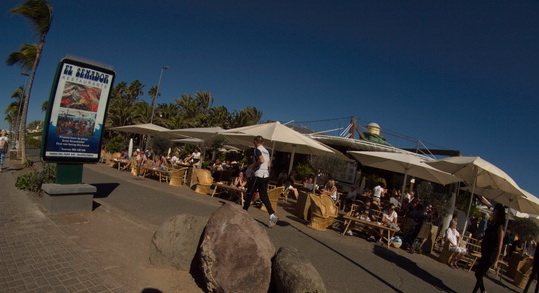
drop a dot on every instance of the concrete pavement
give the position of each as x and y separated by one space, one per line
41 252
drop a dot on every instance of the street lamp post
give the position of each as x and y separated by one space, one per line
157 92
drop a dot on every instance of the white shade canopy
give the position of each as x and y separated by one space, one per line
203 133
281 137
478 170
522 201
145 129
410 165
489 181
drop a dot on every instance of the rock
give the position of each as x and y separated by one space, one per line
294 273
235 253
175 243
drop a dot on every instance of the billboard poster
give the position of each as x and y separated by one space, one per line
76 114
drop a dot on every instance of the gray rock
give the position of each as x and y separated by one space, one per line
236 252
294 273
175 243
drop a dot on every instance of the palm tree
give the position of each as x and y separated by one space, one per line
219 116
11 112
44 106
39 13
247 116
17 94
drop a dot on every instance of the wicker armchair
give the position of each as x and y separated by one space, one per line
205 181
177 176
274 195
323 212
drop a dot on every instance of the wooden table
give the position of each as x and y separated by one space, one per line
223 186
121 163
348 220
161 174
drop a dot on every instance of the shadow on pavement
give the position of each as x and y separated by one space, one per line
395 289
411 267
104 189
501 284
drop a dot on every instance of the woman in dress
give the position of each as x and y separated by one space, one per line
491 246
453 236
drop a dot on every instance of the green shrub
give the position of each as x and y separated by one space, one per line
525 228
116 144
28 163
160 145
33 181
304 171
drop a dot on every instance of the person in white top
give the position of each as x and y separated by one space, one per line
378 191
453 236
4 143
390 217
259 182
330 189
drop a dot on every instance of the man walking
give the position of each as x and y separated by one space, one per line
3 148
259 180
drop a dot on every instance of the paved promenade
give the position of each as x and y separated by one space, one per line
36 256
106 250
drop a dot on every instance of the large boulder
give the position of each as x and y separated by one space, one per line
175 243
294 273
235 253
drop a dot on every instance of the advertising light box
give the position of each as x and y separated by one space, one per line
77 110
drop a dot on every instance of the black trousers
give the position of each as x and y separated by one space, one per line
261 185
485 262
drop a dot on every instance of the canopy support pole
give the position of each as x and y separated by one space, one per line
469 206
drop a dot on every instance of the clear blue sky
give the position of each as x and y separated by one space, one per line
457 74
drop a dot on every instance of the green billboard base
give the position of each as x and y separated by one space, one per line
68 173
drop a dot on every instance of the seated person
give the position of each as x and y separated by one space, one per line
389 218
365 213
308 183
238 182
175 158
366 195
124 156
162 163
396 198
331 189
350 197
288 184
453 236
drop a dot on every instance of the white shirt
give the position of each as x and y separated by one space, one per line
377 192
6 141
452 236
263 169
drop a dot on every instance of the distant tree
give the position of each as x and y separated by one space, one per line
39 14
15 110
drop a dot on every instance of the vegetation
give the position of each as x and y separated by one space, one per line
39 15
304 171
161 144
328 165
116 144
127 107
32 181
526 229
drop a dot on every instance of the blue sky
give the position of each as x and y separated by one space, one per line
455 74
